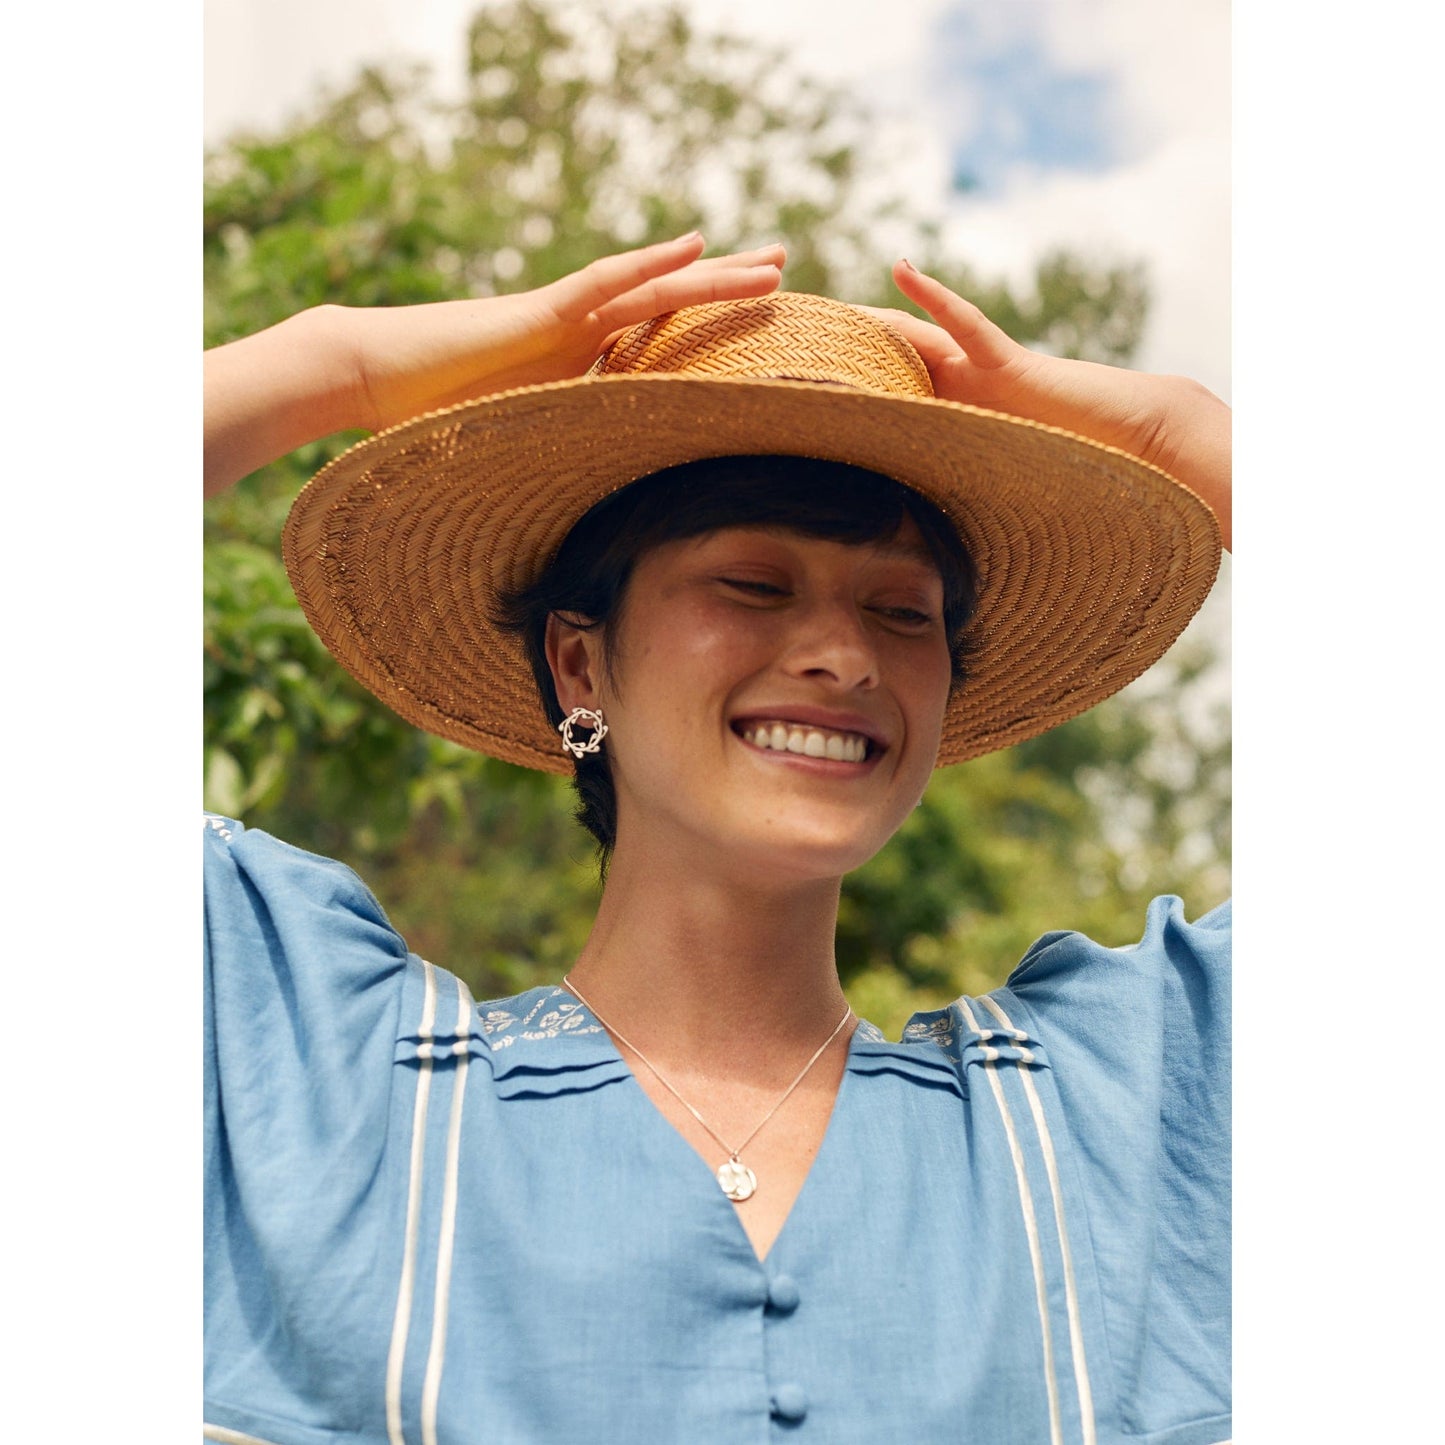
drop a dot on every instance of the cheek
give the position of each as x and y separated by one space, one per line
928 696
672 682
702 651
924 669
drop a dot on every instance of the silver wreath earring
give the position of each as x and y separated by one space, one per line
591 718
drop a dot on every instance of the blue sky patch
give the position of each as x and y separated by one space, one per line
1012 103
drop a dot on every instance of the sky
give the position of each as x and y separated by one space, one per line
1100 125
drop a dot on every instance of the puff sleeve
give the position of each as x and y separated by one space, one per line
303 986
1139 1041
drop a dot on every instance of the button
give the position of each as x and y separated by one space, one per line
783 1293
789 1402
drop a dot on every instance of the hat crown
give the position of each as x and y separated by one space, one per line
788 336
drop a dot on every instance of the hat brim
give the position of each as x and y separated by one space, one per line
1091 561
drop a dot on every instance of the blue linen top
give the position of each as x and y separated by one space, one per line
433 1221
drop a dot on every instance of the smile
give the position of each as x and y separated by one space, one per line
781 737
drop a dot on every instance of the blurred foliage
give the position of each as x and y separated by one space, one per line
583 131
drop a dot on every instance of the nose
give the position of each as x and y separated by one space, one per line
832 644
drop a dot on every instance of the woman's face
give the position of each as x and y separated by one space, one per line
742 655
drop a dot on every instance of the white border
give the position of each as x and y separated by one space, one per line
1338 319
101 270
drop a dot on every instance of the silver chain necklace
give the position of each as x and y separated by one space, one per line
734 1177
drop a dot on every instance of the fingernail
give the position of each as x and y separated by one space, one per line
909 264
691 236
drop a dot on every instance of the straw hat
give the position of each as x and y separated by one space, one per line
1091 561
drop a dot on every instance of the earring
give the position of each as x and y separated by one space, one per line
593 719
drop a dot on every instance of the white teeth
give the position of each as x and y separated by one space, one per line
810 742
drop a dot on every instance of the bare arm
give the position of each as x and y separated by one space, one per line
1170 421
334 367
270 393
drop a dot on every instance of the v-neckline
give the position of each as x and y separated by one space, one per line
708 1177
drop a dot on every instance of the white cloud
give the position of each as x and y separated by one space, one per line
846 40
266 58
1171 60
1170 209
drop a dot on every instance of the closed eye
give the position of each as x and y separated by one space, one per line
750 585
909 616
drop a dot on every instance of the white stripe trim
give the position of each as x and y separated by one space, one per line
401 1321
431 1390
231 1437
1031 1227
1071 1297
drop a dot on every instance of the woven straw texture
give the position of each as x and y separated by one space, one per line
1092 562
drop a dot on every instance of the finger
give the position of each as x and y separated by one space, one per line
592 287
987 345
773 255
692 287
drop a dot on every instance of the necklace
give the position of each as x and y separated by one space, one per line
734 1177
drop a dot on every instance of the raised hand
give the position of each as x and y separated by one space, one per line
417 358
335 368
1168 420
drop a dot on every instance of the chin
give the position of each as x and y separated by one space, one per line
809 851
770 839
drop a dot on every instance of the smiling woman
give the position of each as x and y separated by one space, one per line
750 627
751 578
924 588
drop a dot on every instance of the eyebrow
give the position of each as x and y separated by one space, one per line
909 551
890 549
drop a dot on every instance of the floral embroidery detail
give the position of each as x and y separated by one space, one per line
870 1033
939 1031
568 1018
218 824
538 1005
565 1017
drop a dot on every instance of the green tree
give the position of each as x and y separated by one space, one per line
582 131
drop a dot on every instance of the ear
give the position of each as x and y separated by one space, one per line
575 656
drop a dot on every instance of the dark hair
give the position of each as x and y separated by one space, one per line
832 500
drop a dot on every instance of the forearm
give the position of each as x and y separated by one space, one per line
1197 447
1173 422
270 393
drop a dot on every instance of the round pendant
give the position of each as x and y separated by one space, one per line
737 1180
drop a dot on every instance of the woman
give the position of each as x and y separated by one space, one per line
684 1194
